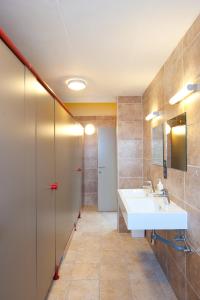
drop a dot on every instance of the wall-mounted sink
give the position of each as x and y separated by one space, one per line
142 211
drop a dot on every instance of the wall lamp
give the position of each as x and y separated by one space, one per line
185 92
152 115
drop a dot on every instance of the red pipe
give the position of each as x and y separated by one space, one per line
4 37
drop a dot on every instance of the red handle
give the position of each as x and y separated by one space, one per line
54 186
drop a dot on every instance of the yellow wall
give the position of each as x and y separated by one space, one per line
92 109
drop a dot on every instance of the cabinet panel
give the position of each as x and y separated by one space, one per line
64 172
77 175
17 183
45 166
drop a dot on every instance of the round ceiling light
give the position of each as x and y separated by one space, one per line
76 84
89 129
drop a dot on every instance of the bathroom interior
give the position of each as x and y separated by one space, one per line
100 150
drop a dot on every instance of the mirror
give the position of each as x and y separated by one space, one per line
157 145
176 137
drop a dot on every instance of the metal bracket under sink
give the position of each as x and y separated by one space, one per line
180 238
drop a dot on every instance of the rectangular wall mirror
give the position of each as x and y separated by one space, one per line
157 145
176 137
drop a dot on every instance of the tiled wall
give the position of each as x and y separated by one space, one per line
91 156
130 142
183 270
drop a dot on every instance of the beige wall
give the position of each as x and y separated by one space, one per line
92 109
130 142
183 65
91 156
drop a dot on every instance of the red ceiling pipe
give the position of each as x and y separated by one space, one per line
4 37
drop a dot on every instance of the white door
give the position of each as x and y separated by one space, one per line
107 170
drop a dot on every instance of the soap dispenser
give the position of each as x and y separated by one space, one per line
160 186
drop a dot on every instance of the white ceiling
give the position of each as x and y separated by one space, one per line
116 45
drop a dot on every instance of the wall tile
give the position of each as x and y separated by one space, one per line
191 295
193 144
130 168
90 199
90 187
90 163
192 186
122 228
176 279
193 272
178 256
130 130
193 225
173 74
160 251
91 151
90 175
192 33
130 183
129 112
129 99
175 183
130 149
191 61
192 107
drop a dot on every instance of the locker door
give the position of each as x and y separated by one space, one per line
45 196
78 174
17 173
64 172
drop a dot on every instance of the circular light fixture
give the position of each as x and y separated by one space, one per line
76 84
89 129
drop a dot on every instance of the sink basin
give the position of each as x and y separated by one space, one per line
142 211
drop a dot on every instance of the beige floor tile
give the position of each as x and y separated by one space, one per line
112 257
84 290
89 256
59 290
65 271
115 290
85 271
150 289
126 268
70 256
113 271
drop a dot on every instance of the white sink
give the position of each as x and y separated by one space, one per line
142 211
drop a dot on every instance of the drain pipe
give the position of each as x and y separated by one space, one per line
172 243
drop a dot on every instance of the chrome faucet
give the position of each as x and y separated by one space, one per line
163 193
166 195
148 184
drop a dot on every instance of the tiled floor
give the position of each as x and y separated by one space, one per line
104 264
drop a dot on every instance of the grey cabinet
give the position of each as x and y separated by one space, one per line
17 183
45 176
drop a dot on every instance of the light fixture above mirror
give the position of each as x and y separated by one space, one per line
185 92
152 115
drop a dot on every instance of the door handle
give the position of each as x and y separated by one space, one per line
54 186
101 167
78 170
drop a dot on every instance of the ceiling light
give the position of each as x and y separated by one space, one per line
89 129
76 84
185 92
152 115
